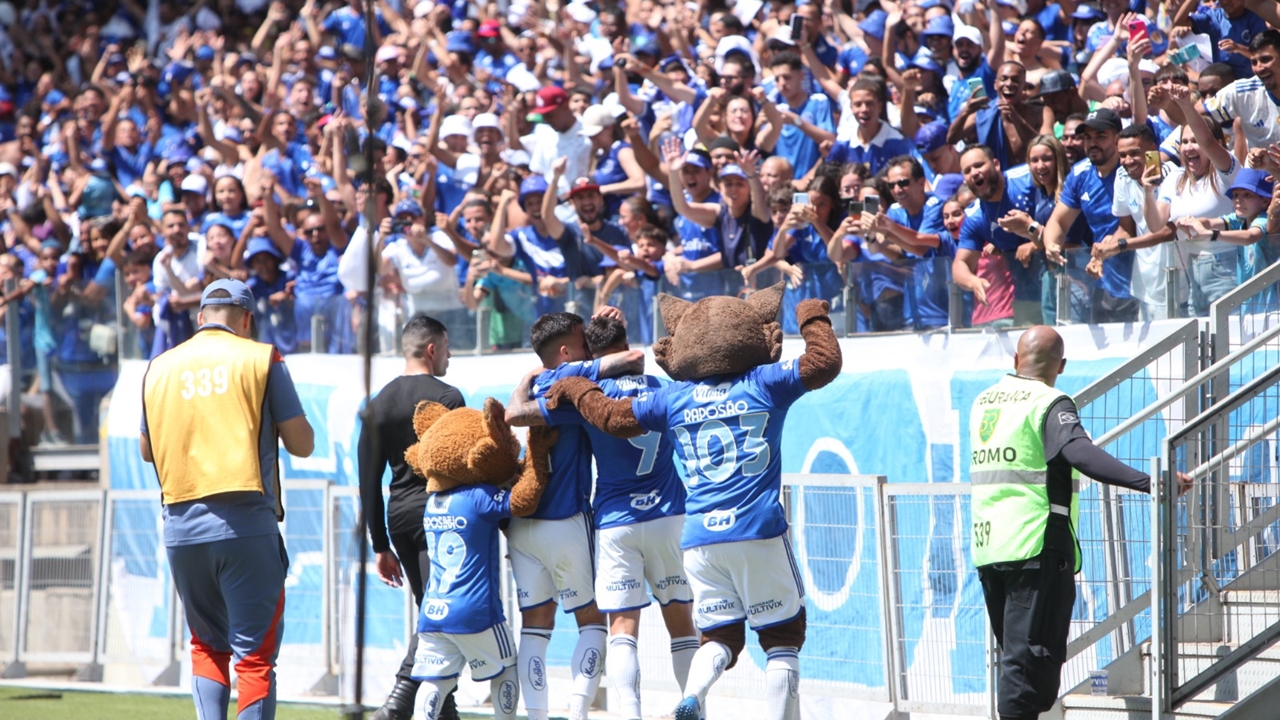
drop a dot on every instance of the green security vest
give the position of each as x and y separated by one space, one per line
1008 473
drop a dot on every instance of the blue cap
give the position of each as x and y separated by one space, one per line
136 191
240 295
409 207
178 154
195 164
532 185
204 53
327 53
1010 27
924 60
231 133
941 25
873 25
930 137
732 169
98 166
115 59
55 96
926 112
1087 12
697 159
644 45
460 41
259 245
1255 181
672 59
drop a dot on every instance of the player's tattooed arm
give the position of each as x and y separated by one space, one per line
521 410
527 492
612 416
821 361
629 362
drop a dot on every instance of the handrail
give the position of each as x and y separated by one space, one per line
1185 388
1190 330
1220 309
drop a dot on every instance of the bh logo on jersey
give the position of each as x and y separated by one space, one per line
435 609
590 666
644 501
720 520
711 393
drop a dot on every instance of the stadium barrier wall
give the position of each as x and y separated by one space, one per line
895 610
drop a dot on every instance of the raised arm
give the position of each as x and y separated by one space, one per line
822 360
1217 153
535 470
703 214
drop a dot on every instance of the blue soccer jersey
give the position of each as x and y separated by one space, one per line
569 488
980 226
727 431
636 478
463 593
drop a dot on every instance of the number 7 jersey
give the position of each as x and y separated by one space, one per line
727 432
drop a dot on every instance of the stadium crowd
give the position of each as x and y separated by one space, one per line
529 157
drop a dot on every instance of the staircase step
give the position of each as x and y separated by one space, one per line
1094 707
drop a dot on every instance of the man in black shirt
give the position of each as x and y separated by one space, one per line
383 439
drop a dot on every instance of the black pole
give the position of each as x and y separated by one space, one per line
370 336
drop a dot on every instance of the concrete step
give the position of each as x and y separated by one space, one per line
1093 707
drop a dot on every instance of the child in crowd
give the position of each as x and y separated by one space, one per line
1250 198
643 269
272 290
142 295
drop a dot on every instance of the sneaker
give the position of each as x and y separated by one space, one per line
52 437
688 709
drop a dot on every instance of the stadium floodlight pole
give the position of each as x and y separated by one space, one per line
369 335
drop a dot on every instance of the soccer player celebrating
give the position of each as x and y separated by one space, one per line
551 550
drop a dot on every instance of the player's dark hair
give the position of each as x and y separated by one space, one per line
1139 130
1173 72
1266 38
789 58
418 333
1219 70
653 232
550 329
603 333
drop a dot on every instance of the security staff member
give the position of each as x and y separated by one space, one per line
1028 453
215 409
425 343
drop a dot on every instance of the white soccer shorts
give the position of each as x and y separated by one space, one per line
755 580
443 655
631 554
553 560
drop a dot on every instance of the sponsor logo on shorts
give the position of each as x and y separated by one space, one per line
716 606
443 523
670 580
507 697
590 663
567 593
522 594
433 699
720 520
763 607
476 664
711 393
622 585
645 501
725 409
537 674
435 609
422 658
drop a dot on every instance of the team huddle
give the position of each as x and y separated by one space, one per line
709 543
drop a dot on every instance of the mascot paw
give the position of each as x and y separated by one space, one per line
810 309
541 438
568 392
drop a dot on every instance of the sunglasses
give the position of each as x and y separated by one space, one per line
312 231
902 184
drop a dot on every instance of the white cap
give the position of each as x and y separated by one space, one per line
485 120
195 184
1147 66
423 8
579 12
746 10
523 79
737 43
595 119
967 32
1114 69
8 169
613 105
455 125
783 35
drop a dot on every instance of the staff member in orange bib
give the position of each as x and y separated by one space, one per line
214 411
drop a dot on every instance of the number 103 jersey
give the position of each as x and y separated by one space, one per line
463 593
727 432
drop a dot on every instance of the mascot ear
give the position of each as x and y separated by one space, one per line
497 439
425 415
672 310
766 303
